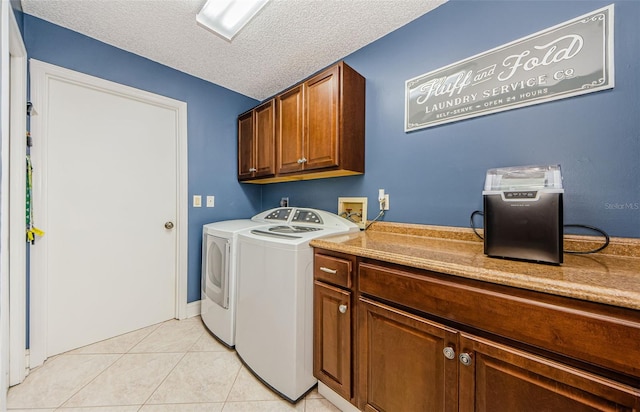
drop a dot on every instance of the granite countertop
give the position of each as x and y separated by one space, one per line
611 276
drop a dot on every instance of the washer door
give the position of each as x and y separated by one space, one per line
215 269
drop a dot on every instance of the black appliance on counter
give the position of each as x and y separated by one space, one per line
523 216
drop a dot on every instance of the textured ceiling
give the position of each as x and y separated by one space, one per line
286 42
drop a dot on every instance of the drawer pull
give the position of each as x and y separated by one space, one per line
465 359
342 308
449 352
327 270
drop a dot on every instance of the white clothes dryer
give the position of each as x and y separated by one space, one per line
219 280
274 334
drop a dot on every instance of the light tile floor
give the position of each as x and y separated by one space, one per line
173 366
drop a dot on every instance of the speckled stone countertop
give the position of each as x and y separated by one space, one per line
611 276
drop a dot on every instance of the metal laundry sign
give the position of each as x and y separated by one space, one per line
570 59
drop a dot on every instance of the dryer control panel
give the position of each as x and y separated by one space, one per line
279 214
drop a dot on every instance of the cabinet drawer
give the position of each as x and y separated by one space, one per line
597 334
333 270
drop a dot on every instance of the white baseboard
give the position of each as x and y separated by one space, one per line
337 400
193 309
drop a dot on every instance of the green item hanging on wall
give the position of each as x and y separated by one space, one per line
32 231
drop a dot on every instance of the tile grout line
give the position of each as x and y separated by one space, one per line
62 405
127 352
184 354
226 399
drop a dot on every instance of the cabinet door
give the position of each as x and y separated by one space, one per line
322 108
246 147
401 365
500 378
332 338
265 132
290 130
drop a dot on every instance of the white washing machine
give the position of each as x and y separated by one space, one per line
274 323
219 280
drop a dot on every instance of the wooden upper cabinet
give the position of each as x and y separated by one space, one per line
256 142
290 130
322 120
265 134
246 147
319 128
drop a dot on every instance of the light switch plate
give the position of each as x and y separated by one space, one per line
211 201
197 201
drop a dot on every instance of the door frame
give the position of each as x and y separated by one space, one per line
41 74
13 252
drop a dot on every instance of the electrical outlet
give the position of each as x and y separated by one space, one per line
383 199
211 201
197 201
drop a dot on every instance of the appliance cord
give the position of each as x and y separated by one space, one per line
473 225
602 232
374 219
574 252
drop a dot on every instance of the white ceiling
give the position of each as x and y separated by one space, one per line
285 43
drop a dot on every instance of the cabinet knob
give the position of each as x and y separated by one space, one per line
465 359
342 308
253 169
327 270
449 352
303 160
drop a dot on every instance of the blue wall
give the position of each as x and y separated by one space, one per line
436 175
212 112
433 176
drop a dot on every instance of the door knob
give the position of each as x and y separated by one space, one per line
449 352
465 359
168 225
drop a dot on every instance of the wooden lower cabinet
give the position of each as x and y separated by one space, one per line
334 322
402 366
332 342
416 340
500 378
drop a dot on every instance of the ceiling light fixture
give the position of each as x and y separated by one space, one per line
227 17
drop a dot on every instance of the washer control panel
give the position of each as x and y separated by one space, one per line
306 216
299 217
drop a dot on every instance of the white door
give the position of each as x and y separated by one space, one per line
109 188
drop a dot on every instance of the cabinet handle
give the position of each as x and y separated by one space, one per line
449 352
342 308
303 160
465 359
327 270
253 169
